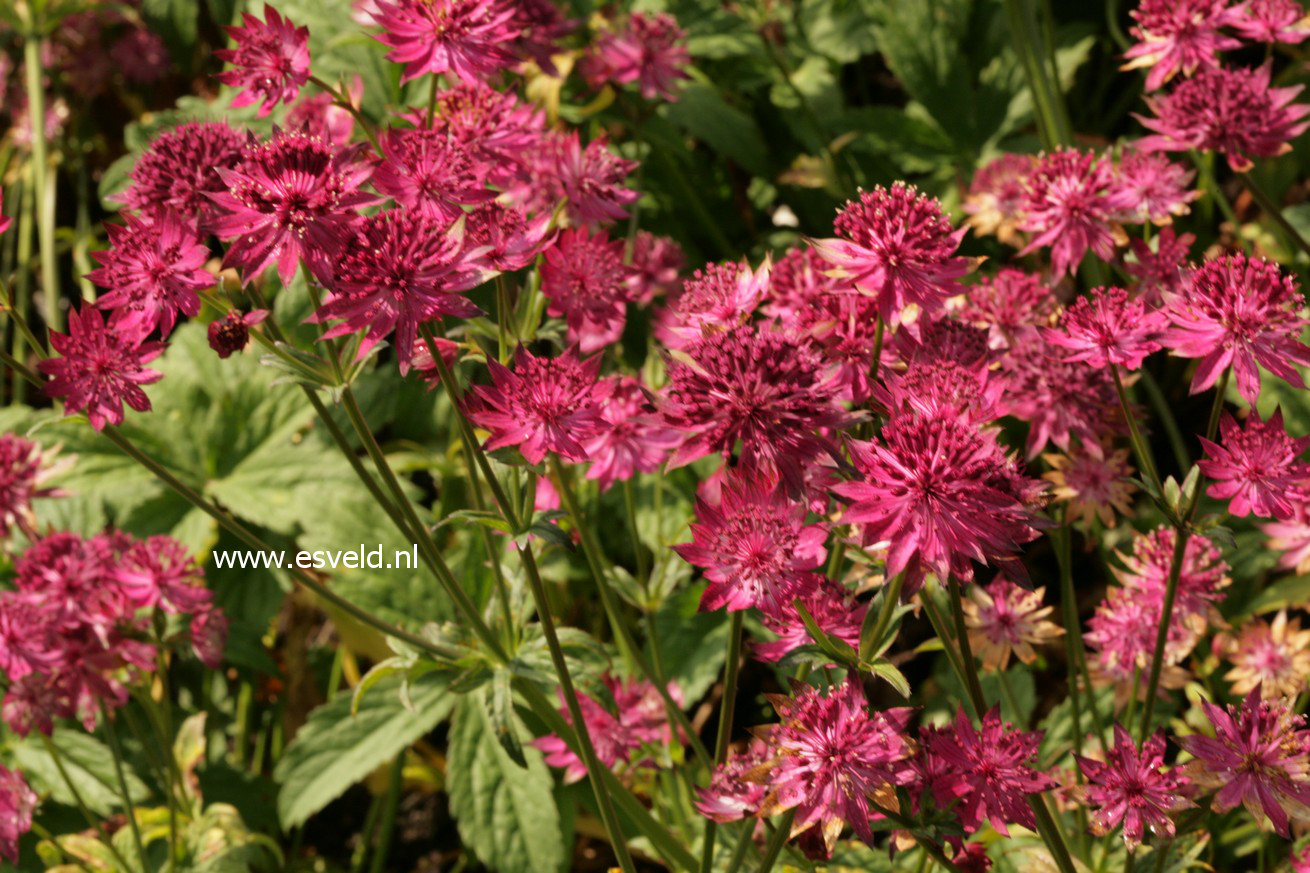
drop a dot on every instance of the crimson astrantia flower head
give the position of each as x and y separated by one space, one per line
1071 206
896 245
1060 399
17 801
798 281
1259 757
542 405
179 169
1010 304
152 270
1291 537
1201 577
941 389
99 369
639 719
231 333
943 340
322 116
1271 21
729 797
1160 270
1134 789
270 61
716 298
586 282
651 51
24 468
1108 328
757 386
996 197
843 328
984 771
495 128
426 171
656 263
828 603
1004 619
159 571
1179 36
632 439
590 178
1232 111
396 271
29 625
293 198
1238 311
831 756
754 546
1150 187
508 239
1257 468
465 38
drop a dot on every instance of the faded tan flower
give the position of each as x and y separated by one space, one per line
1093 487
1274 655
1003 619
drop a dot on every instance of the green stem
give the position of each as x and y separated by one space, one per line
776 842
1274 211
743 846
117 751
50 838
731 667
893 599
1166 415
389 807
344 101
42 177
630 510
939 627
1205 167
22 302
972 683
1140 449
80 803
1072 627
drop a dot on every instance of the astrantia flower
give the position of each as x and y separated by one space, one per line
506 238
831 606
294 197
179 169
1060 399
1291 537
831 756
322 116
1094 487
1256 468
651 51
1003 619
1070 207
941 389
99 369
1271 656
1108 328
1232 111
1150 187
729 797
1160 270
1134 789
495 128
152 270
1259 757
270 61
656 263
1238 311
757 387
1271 21
397 271
1010 304
632 439
590 178
426 172
231 333
160 571
753 545
996 197
844 330
941 494
943 339
542 405
1179 36
984 772
640 719
896 245
24 468
1201 577
464 38
585 280
5 220
716 298
798 281
17 802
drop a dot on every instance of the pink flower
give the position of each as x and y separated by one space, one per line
293 198
208 632
716 298
639 719
831 755
1257 468
5 220
1004 619
1160 270
729 797
1238 311
758 387
943 340
632 439
322 117
1235 112
590 178
507 239
940 493
99 369
270 61
997 195
843 328
17 802
984 772
23 470
586 282
1259 757
152 270
425 171
542 405
798 281
396 271
831 606
494 128
895 245
231 333
1201 577
1134 789
651 51
179 170
1071 204
754 546
1060 399
1150 187
1179 36
28 625
656 263
1107 328
1010 304
159 571
1272 21
1291 537
464 38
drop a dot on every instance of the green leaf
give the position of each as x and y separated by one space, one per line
692 643
334 749
177 22
704 114
506 813
89 764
